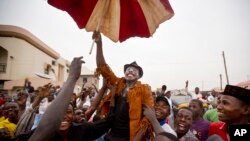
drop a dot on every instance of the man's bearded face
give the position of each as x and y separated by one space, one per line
132 73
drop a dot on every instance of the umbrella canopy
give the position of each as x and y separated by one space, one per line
117 19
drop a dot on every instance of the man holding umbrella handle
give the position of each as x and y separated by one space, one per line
130 97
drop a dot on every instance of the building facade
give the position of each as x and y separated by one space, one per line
22 55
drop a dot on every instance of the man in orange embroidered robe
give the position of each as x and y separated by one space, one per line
131 95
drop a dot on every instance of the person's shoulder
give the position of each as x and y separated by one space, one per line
191 139
189 136
216 125
204 122
219 123
210 111
146 85
166 127
139 84
207 122
217 128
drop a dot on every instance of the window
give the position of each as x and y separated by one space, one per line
84 79
3 59
3 67
53 62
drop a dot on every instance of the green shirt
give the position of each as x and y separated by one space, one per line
211 115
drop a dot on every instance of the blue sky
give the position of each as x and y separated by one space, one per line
187 47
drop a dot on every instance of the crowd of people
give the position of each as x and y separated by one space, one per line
123 109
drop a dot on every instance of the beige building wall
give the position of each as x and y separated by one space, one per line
23 59
25 56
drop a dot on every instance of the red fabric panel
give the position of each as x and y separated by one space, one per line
218 128
79 10
167 5
133 22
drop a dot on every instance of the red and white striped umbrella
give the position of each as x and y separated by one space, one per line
117 19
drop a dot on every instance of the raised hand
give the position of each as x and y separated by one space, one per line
95 87
186 84
42 93
45 90
97 37
84 94
75 67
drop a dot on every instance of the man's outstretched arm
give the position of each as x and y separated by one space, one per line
100 60
54 114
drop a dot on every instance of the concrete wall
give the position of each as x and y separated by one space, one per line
24 59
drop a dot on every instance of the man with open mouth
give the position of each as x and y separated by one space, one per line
131 95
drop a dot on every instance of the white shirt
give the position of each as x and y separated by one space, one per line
168 129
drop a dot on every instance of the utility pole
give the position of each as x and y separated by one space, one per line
220 82
225 66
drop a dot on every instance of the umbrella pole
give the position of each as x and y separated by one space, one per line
92 45
104 9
